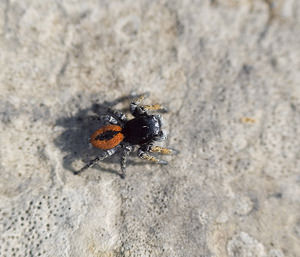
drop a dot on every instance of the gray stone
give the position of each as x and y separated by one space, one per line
229 73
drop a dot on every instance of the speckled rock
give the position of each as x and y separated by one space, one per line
229 73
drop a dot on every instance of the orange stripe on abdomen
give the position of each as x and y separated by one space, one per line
107 137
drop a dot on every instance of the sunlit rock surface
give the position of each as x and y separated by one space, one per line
228 71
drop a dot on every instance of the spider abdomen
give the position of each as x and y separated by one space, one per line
107 137
142 129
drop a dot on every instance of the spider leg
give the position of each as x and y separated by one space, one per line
160 137
114 117
117 114
155 107
135 108
96 160
124 155
105 119
145 156
162 150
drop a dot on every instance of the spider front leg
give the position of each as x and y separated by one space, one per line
124 154
145 156
91 163
155 107
162 150
137 109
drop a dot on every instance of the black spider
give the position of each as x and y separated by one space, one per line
122 135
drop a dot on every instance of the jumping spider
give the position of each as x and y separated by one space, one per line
122 135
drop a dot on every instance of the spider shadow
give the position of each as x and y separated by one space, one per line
74 141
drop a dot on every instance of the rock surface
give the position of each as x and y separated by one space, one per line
229 73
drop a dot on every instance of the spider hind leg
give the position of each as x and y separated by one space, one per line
123 160
91 163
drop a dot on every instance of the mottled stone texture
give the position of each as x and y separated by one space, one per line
228 70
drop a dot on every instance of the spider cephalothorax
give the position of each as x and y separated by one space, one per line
123 135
